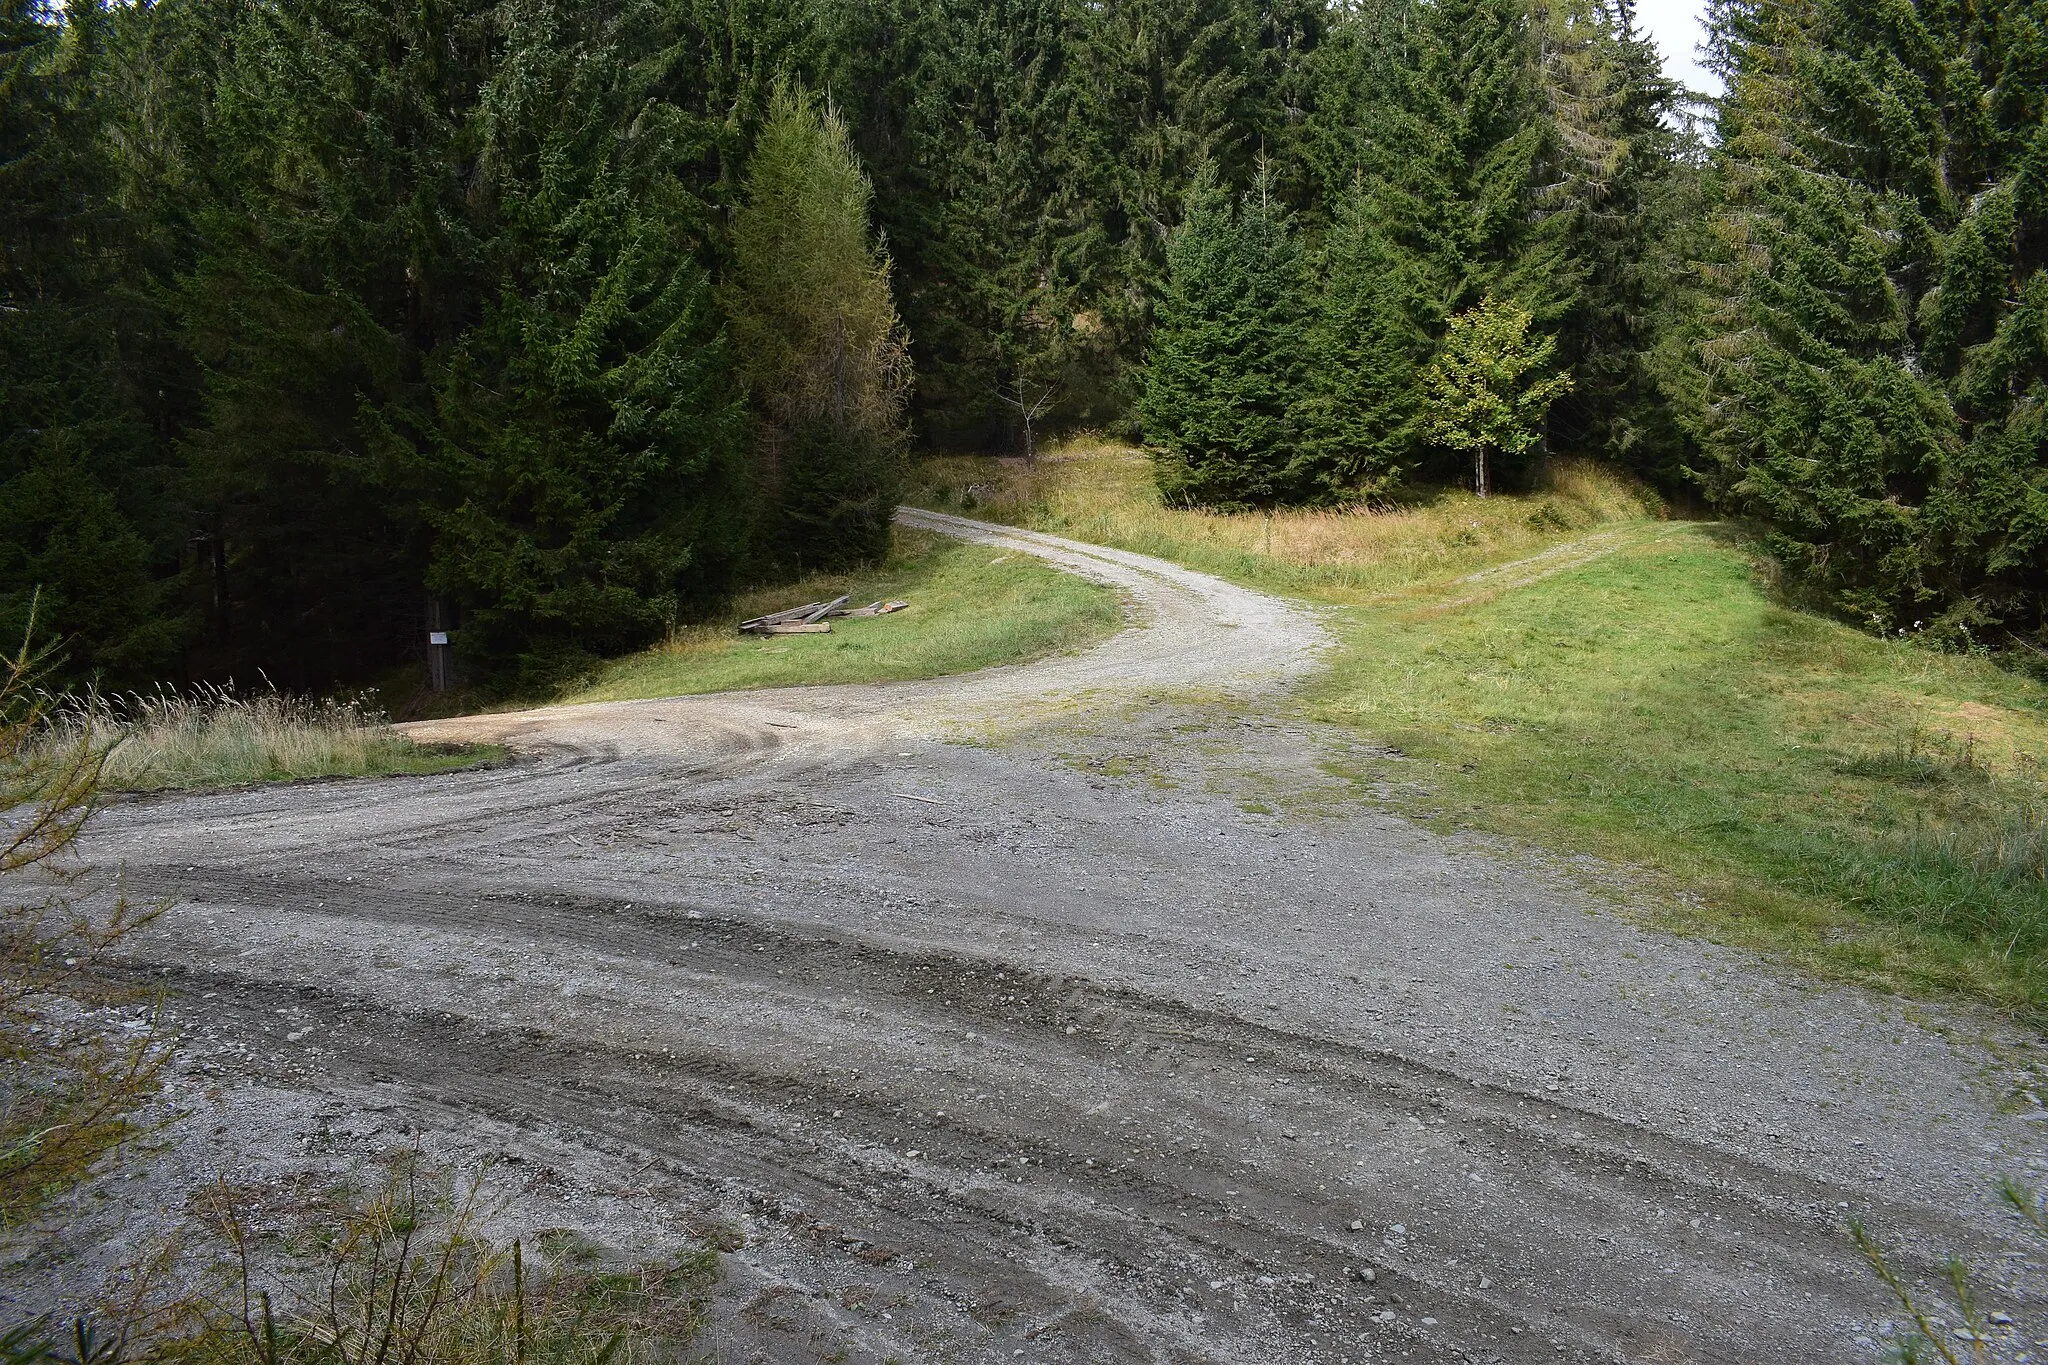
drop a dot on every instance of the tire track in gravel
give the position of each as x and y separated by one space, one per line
1087 1068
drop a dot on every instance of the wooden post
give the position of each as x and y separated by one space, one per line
440 663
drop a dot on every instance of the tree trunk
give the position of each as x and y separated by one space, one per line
1479 471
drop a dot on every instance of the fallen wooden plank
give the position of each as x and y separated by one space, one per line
822 612
787 614
913 796
794 628
874 609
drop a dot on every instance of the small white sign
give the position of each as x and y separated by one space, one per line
437 637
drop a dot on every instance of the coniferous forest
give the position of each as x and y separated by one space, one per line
569 320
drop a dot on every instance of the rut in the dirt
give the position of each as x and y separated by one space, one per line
1022 1136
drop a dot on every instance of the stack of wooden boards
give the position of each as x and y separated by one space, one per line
814 618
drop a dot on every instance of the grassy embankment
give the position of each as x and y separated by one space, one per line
970 607
215 738
1864 807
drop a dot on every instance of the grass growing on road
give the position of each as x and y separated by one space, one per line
215 737
971 606
1568 669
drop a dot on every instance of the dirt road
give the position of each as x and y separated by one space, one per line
1001 1020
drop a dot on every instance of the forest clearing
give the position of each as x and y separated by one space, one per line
1001 680
1011 1067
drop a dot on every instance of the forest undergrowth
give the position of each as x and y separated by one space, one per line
1568 667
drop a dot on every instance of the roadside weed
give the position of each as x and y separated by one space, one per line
69 1081
1930 1336
401 1273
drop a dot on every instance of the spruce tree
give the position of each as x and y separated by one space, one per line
1224 378
1620 169
584 484
818 338
454 338
1868 353
1440 209
1367 343
81 528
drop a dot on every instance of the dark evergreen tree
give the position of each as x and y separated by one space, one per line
984 202
454 337
80 530
1224 377
337 261
1441 208
819 339
1871 369
1620 167
584 485
1031 159
1367 345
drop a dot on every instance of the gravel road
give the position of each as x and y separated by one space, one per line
1070 1011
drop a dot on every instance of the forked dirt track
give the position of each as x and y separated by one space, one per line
995 1022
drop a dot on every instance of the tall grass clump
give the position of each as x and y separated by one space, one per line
1976 885
214 736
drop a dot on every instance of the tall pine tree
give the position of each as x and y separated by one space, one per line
584 484
82 535
1439 208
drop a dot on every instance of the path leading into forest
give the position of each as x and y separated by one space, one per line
993 1018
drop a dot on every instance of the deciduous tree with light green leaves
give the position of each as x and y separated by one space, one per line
1488 393
820 343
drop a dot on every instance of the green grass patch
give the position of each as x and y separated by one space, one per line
1568 669
1865 805
971 606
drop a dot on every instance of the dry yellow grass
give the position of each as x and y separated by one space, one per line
1101 491
215 737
